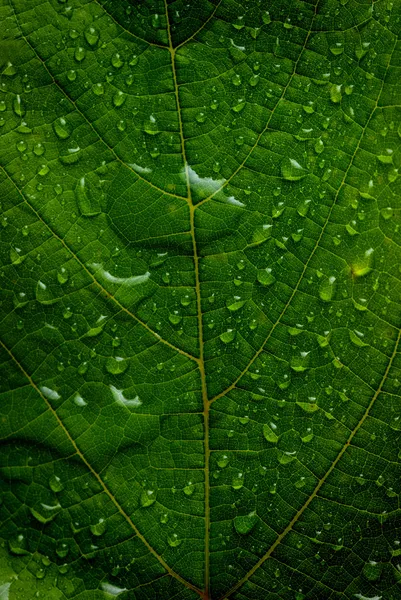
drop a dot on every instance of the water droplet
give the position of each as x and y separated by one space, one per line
175 318
55 484
292 170
319 146
150 126
116 365
223 461
337 49
79 54
122 126
17 544
239 105
148 497
62 550
228 336
173 540
327 288
9 70
269 433
201 117
18 106
91 35
335 93
79 401
238 481
236 79
254 80
387 213
356 338
61 128
119 98
21 146
266 18
71 75
265 277
189 489
244 524
98 89
98 528
46 514
303 208
235 303
87 199
38 149
117 61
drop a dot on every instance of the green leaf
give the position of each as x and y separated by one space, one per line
200 310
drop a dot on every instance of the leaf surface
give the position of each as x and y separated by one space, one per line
200 251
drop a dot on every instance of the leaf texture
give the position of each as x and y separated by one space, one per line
200 332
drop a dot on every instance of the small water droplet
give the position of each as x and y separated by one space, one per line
55 484
79 54
117 61
147 498
61 128
173 540
98 528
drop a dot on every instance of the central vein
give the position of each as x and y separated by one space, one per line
201 361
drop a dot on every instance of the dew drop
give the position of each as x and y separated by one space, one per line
98 528
119 98
147 498
61 128
292 170
150 126
55 484
116 365
327 288
18 106
173 540
265 277
117 61
79 54
91 35
228 336
98 89
244 524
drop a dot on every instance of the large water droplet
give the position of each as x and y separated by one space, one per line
269 433
292 170
237 481
116 365
91 35
79 54
61 128
228 336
